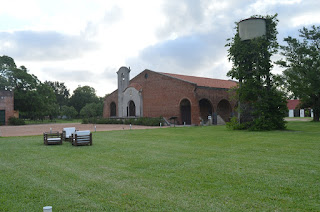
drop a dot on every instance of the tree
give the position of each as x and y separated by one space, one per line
37 103
32 98
262 105
302 67
61 92
92 110
69 112
82 96
7 64
46 100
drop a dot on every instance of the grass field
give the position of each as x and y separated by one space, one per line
168 169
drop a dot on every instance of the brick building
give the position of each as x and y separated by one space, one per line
295 109
193 100
6 106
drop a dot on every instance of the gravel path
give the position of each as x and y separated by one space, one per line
39 129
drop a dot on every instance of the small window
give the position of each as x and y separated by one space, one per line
146 76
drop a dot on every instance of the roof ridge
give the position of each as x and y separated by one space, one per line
204 81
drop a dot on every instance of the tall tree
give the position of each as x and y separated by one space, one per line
92 110
61 92
265 106
32 98
7 65
302 67
82 96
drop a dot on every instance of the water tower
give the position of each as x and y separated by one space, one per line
252 28
249 29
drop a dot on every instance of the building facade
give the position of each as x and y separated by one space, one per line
190 100
295 110
6 106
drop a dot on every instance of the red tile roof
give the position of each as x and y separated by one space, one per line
293 104
206 82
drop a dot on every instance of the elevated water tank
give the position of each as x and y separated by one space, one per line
252 28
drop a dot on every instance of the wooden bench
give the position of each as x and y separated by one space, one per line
81 138
52 138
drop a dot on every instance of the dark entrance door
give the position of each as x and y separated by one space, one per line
224 110
205 109
2 117
185 110
132 109
113 109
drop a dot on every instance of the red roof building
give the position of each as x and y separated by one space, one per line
293 104
192 100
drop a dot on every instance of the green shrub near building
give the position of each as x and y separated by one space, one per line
145 121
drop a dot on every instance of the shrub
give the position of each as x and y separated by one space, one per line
85 121
145 121
16 121
235 125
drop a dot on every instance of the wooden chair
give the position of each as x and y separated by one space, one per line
81 138
52 138
67 133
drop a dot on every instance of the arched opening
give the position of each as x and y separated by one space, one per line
113 109
205 110
224 110
132 108
2 117
185 111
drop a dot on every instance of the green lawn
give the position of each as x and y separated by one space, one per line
168 169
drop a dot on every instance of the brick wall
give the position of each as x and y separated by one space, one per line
162 95
113 97
7 104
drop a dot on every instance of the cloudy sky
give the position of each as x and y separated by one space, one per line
82 42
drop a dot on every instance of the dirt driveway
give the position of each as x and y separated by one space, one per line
39 129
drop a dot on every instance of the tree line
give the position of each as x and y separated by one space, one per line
37 100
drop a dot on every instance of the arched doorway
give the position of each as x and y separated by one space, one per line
224 110
205 110
132 108
113 109
185 111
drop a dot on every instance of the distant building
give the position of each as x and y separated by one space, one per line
191 100
6 106
295 110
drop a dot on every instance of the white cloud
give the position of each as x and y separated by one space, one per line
82 42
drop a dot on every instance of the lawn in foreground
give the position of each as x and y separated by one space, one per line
172 169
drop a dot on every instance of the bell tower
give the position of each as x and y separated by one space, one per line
123 83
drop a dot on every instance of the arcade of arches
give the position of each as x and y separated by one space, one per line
205 110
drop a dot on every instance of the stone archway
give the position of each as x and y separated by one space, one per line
205 110
224 110
132 108
113 109
185 111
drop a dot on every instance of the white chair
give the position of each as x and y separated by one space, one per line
67 133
